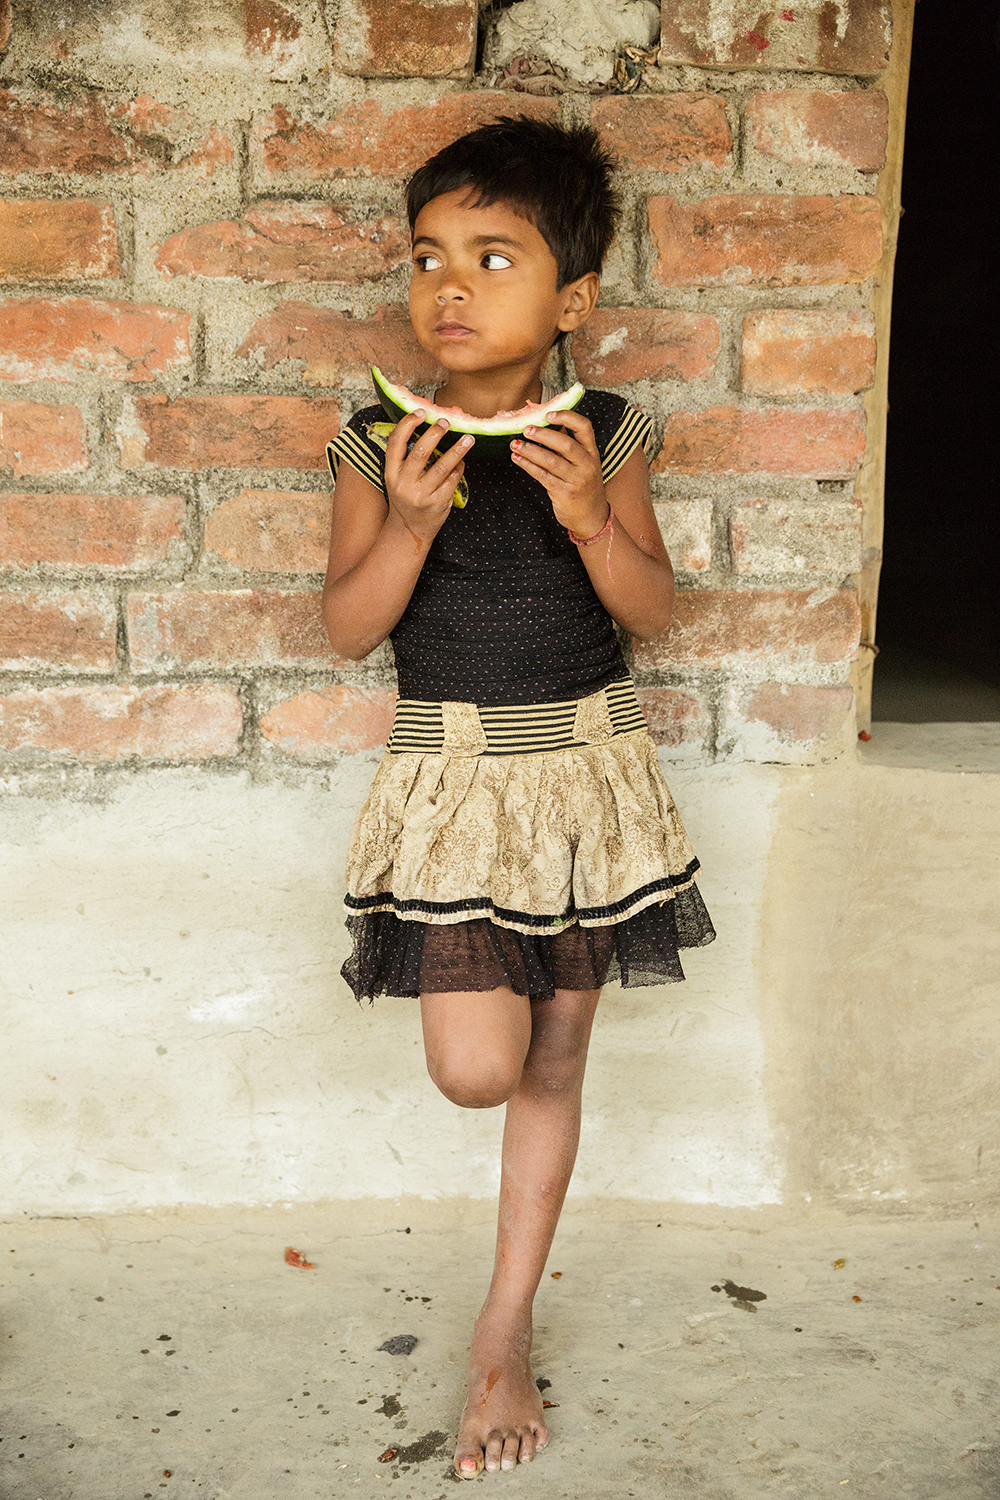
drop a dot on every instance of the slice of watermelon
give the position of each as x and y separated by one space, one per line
492 434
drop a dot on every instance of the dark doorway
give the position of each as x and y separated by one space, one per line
938 626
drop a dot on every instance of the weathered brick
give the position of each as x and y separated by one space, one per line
818 444
725 628
271 29
769 239
686 528
185 630
367 139
238 432
850 37
44 338
675 718
818 129
336 348
665 132
36 438
272 531
620 344
56 632
406 38
110 532
319 721
288 242
788 352
211 41
94 724
83 133
791 723
62 239
796 536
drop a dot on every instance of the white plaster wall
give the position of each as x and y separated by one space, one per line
177 1031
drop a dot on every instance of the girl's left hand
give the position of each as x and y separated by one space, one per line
568 465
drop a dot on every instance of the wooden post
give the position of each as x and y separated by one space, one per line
870 487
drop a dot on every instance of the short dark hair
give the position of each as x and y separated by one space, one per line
558 177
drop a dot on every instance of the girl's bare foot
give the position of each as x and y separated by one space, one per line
502 1421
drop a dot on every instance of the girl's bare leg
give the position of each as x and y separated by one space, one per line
534 1055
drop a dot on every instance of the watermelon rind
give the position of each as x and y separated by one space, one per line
492 434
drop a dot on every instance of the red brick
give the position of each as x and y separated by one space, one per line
817 129
45 338
665 132
338 349
36 438
272 531
851 36
113 532
620 344
792 723
796 536
727 628
236 432
766 239
675 718
269 28
288 242
94 724
686 528
791 353
366 139
820 444
406 38
82 133
229 628
57 632
317 722
64 239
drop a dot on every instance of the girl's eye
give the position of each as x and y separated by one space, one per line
495 262
427 263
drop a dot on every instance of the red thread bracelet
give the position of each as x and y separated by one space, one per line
607 529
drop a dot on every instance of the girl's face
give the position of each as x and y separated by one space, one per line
483 292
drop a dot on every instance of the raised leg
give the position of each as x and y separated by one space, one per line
503 1420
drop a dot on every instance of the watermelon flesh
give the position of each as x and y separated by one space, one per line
492 434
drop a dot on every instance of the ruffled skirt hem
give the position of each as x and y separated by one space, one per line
406 957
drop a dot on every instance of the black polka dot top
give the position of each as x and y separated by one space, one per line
504 611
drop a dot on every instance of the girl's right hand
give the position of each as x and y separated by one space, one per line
421 496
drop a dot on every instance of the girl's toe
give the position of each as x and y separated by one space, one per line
494 1448
527 1445
469 1465
508 1456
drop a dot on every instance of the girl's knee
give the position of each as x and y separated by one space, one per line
473 1087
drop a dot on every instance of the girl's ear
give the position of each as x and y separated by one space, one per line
580 300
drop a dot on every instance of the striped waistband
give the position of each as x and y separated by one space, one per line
521 729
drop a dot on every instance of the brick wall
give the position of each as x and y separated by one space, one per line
201 253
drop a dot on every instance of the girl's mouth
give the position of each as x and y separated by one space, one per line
451 330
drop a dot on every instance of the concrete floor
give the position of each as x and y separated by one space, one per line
174 1353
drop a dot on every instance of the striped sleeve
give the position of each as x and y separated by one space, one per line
635 429
355 446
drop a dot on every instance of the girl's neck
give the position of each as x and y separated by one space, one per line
486 394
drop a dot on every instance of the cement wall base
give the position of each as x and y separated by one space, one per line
180 1034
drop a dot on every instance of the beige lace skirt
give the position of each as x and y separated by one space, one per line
532 841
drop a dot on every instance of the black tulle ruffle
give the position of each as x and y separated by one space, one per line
395 957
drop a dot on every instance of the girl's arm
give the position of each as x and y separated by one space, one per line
378 547
631 574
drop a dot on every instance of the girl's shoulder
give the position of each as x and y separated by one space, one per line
619 428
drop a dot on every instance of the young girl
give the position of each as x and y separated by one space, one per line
519 845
